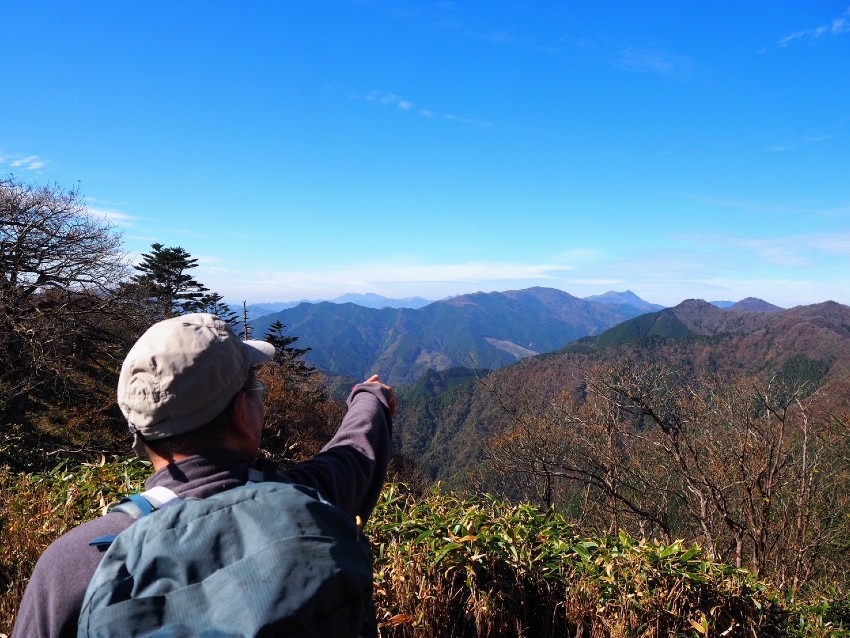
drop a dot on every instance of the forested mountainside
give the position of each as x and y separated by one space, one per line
445 423
481 330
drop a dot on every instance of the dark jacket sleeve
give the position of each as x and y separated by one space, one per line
351 469
54 595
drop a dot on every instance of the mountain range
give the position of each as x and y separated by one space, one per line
367 300
445 416
479 330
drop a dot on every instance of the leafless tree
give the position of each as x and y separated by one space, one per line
757 458
58 267
585 453
753 469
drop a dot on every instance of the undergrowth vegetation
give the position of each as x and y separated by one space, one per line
36 508
449 566
446 566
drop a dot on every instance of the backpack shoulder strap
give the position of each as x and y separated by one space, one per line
256 476
136 506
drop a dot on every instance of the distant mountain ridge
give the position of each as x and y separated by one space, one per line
445 424
627 298
691 317
372 300
752 304
367 300
485 330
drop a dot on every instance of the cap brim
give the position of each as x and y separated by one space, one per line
258 351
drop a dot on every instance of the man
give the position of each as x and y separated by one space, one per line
188 391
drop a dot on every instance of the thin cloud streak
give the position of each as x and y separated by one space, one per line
838 26
113 216
598 282
768 207
437 280
635 59
790 145
655 62
835 244
405 273
28 163
391 99
797 251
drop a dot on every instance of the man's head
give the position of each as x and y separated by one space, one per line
184 373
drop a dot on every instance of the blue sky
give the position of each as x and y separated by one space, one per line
308 149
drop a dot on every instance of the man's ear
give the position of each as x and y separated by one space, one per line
239 415
246 423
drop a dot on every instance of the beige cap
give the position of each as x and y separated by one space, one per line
183 372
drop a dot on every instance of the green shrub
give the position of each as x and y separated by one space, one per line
446 566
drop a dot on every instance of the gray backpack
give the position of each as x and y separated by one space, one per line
264 559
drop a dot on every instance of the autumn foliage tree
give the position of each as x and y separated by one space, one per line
300 415
753 469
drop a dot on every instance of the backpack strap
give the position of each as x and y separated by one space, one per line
142 504
137 506
255 476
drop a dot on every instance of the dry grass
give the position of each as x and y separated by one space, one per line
37 508
449 567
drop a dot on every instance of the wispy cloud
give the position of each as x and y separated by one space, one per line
382 98
835 244
391 277
838 26
775 251
721 267
471 272
653 61
499 37
599 281
766 206
750 252
635 58
781 147
787 271
395 101
28 163
801 250
452 17
114 216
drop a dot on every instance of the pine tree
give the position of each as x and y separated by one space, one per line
289 358
214 304
165 282
299 414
